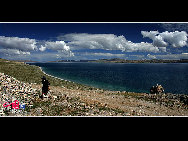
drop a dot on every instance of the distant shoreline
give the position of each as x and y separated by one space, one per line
113 60
54 76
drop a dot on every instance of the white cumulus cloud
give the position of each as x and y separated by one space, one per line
174 39
23 44
15 46
107 42
157 39
22 47
59 46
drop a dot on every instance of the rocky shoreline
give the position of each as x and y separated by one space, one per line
70 102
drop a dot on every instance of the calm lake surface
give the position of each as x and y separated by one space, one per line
123 77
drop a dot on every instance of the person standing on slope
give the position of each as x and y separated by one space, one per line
45 86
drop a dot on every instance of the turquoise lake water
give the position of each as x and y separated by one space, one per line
123 77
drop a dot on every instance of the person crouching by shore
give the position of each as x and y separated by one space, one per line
158 89
45 86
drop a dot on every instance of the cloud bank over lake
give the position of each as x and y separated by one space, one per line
131 42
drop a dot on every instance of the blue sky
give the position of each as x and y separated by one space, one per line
57 41
44 31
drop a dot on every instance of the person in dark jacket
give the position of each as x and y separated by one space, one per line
45 86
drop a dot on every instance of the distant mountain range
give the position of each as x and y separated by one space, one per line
116 60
